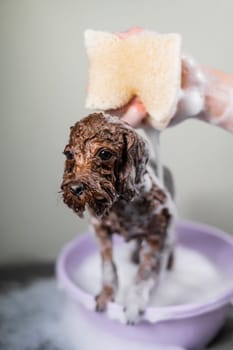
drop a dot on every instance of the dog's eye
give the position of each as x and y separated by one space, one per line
69 154
105 154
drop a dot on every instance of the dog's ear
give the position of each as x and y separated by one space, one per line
135 156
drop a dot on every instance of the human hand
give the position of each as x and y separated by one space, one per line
205 95
190 99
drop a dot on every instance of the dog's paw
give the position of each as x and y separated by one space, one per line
133 314
136 301
102 299
101 303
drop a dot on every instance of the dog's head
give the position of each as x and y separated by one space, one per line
105 160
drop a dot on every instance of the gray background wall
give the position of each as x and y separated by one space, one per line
43 82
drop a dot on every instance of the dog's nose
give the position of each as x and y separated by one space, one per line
77 189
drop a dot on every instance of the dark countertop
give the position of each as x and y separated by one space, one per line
11 276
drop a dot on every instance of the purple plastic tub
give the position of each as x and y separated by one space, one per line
190 326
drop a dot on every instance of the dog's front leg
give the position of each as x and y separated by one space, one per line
109 274
146 279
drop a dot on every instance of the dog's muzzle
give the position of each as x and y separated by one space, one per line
98 196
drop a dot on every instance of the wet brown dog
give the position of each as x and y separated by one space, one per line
106 172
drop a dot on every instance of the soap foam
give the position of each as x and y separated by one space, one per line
194 279
40 317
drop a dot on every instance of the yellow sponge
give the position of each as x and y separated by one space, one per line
144 64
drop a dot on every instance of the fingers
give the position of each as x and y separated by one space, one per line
136 113
192 94
133 113
219 99
192 74
131 31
